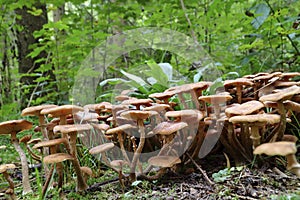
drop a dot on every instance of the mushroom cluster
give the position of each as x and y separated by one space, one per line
147 137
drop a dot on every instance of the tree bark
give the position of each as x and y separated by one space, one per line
28 24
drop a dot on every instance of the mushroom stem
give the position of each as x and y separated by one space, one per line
278 135
25 178
255 136
139 149
239 93
292 164
81 184
9 180
121 142
33 155
46 184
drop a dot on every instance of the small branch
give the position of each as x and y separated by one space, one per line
210 182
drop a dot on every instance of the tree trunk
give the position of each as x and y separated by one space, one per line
25 39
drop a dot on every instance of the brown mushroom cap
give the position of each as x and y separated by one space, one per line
85 116
101 127
162 95
49 143
215 99
86 170
282 95
167 128
238 81
35 110
288 75
14 126
34 141
244 109
5 167
25 139
138 102
119 129
281 148
158 107
101 148
72 128
264 118
136 114
289 138
164 161
290 105
185 114
282 84
122 97
98 106
57 158
263 77
118 163
62 110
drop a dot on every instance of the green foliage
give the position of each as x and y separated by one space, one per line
225 174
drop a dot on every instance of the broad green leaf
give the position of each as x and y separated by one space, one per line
112 81
157 73
134 78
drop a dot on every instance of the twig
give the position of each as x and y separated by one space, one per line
201 170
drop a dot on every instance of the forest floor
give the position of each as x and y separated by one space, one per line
232 183
246 182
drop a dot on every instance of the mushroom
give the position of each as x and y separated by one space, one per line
102 148
72 131
119 165
250 107
164 96
86 172
36 111
25 139
54 159
279 97
216 100
139 117
52 144
120 130
282 148
256 121
138 102
164 162
238 83
3 170
13 127
62 112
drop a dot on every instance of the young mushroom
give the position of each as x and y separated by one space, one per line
3 170
164 162
13 127
282 148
